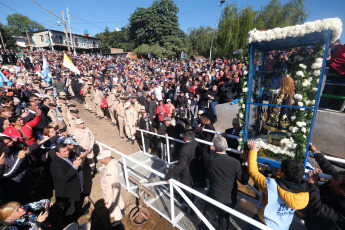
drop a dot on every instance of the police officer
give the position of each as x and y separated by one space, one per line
86 140
111 187
120 111
131 118
111 102
98 101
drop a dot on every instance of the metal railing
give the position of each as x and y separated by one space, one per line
179 187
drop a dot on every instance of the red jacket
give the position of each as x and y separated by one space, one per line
160 114
26 129
338 60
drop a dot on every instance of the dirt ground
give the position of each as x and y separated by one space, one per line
109 135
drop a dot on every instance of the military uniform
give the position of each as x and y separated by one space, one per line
86 140
88 94
131 118
111 189
98 97
120 112
111 99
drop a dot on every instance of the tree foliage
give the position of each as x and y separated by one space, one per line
116 39
153 24
199 40
7 37
19 24
235 23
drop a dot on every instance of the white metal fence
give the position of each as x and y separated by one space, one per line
179 187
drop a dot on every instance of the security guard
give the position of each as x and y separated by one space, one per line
111 187
86 140
120 111
131 118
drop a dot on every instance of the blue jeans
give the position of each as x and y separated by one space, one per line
213 107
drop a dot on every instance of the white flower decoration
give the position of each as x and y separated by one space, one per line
293 118
302 66
240 115
300 103
300 73
303 129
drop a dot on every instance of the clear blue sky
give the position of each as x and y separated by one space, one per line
96 15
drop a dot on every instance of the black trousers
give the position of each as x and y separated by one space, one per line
211 211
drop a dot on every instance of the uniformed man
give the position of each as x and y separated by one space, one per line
120 111
98 97
131 118
111 187
136 106
86 140
88 94
73 115
49 93
111 99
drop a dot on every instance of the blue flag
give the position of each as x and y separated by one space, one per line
45 72
184 55
3 79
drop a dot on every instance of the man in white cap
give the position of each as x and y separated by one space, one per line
86 140
111 187
120 112
131 118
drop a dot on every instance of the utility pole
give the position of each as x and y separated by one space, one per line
62 19
2 40
70 30
67 39
215 27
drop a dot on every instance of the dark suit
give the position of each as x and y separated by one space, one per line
66 184
224 172
188 167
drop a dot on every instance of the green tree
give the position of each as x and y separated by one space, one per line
19 24
7 37
152 25
199 40
116 39
235 23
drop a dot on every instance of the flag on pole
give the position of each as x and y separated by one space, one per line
69 64
238 51
45 71
3 79
184 55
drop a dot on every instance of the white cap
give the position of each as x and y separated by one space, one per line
104 154
127 104
79 122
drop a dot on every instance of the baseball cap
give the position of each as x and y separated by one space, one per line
168 100
79 121
127 104
70 141
104 154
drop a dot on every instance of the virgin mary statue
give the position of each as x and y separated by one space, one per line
278 117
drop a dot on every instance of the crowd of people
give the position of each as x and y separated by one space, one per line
41 129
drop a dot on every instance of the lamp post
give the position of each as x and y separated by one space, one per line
215 27
62 19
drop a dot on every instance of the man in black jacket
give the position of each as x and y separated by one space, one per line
188 166
66 182
326 208
224 172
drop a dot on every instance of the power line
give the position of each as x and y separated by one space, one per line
21 13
